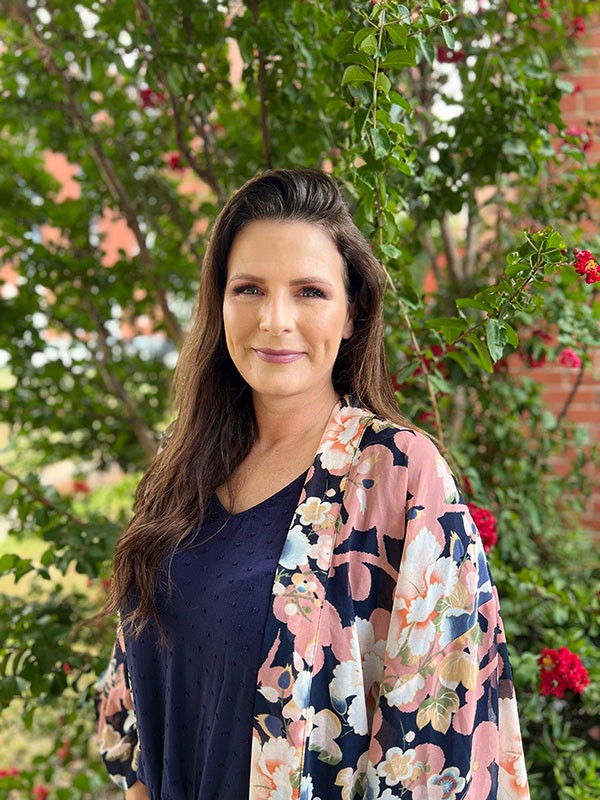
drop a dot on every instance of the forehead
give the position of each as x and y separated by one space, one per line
288 245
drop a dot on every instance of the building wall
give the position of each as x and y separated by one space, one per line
581 110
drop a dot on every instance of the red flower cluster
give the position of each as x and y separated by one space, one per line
64 751
40 792
586 264
544 6
569 358
150 98
577 26
445 56
486 525
583 134
175 161
560 670
9 773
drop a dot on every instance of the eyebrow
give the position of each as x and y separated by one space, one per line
246 276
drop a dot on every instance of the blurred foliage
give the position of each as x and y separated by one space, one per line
442 122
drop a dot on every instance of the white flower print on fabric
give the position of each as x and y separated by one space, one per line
295 549
313 511
445 786
354 678
397 766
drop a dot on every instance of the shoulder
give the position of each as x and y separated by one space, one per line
380 432
409 455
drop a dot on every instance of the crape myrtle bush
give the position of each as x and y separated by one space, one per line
442 122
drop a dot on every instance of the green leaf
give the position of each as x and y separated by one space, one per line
367 44
342 43
356 75
381 142
511 334
496 338
398 34
398 59
481 355
426 47
383 83
449 327
448 37
470 302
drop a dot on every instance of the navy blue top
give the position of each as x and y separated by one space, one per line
194 699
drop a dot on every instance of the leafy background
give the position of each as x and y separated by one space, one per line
443 123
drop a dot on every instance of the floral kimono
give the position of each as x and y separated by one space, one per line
384 672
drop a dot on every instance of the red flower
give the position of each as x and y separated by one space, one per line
40 792
445 56
81 486
582 134
150 98
105 583
486 525
560 670
468 486
66 668
577 87
64 751
425 416
175 162
577 26
544 7
569 358
533 352
586 264
9 773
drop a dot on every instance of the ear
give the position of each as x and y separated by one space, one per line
348 329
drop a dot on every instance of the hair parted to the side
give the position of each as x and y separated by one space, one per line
215 427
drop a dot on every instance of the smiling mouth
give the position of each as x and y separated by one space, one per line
278 356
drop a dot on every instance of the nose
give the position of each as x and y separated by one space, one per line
277 315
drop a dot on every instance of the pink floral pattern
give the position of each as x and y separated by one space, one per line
385 619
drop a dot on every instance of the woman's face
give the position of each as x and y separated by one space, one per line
285 308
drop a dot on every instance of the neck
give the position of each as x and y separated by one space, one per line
284 421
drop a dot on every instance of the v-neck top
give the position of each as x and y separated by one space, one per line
194 698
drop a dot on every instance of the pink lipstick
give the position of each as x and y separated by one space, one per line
278 356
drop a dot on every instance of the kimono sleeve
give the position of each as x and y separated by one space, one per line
447 724
116 723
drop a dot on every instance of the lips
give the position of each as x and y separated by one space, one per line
278 356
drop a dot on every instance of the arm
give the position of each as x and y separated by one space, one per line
447 719
116 723
137 792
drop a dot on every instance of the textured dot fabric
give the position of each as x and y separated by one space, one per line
194 699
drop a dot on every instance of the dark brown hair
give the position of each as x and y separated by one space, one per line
215 427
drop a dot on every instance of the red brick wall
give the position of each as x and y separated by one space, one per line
581 109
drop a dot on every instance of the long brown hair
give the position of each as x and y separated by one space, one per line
215 427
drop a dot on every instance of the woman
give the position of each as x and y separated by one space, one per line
306 609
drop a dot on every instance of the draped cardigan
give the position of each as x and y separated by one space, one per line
384 670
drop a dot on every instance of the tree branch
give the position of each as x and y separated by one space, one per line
431 251
262 75
572 394
472 234
142 432
450 249
206 174
44 500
